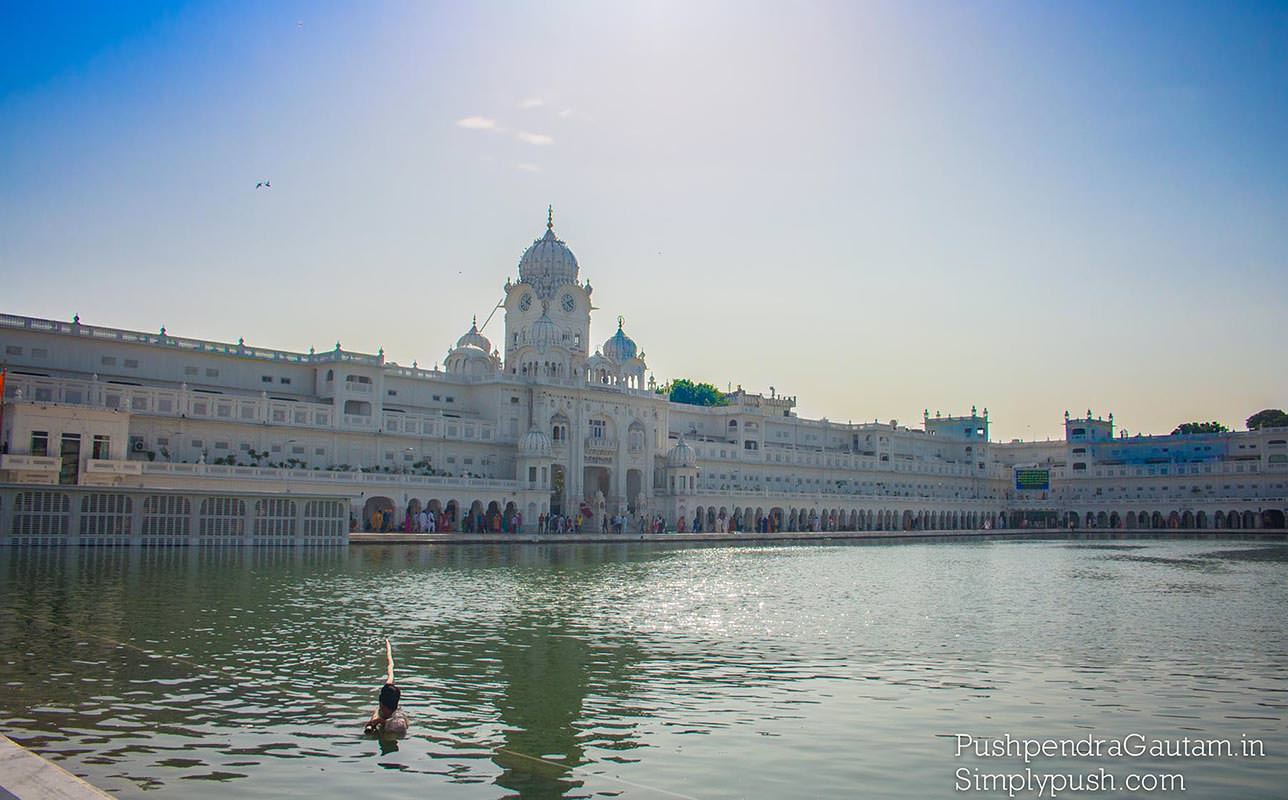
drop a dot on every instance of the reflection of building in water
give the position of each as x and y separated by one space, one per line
544 421
551 671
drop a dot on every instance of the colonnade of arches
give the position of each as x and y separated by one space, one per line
450 515
778 518
477 515
1147 519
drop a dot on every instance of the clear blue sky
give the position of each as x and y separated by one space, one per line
876 207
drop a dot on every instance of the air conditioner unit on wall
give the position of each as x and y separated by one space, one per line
137 444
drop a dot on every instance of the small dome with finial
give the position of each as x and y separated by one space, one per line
474 338
544 333
619 346
682 455
535 443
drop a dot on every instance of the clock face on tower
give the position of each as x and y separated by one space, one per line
568 303
525 302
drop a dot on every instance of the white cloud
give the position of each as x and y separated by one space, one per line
531 102
477 123
533 138
528 167
567 112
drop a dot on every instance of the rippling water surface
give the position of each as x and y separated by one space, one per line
636 671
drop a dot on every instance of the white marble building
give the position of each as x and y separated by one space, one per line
544 421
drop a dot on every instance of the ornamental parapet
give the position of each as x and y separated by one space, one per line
316 476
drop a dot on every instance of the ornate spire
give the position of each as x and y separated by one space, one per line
550 217
620 320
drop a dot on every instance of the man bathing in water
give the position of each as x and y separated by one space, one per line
388 718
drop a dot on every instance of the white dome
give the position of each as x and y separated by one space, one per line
548 264
535 443
619 346
544 333
682 455
473 338
470 359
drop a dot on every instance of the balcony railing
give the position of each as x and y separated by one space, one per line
303 475
31 463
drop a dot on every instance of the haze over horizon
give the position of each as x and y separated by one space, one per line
876 207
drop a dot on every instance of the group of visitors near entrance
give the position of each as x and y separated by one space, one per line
428 521
585 523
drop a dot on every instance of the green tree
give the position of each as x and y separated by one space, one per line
683 390
1200 427
1269 418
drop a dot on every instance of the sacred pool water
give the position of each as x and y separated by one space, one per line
635 671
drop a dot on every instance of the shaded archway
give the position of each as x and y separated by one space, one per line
377 514
474 517
598 480
558 484
634 488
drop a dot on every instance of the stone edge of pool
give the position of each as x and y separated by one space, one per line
795 536
28 776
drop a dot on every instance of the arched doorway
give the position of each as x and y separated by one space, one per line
378 514
473 517
558 481
598 480
634 488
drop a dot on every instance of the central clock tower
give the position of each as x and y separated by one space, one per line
547 312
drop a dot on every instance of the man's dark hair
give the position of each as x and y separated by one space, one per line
389 696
